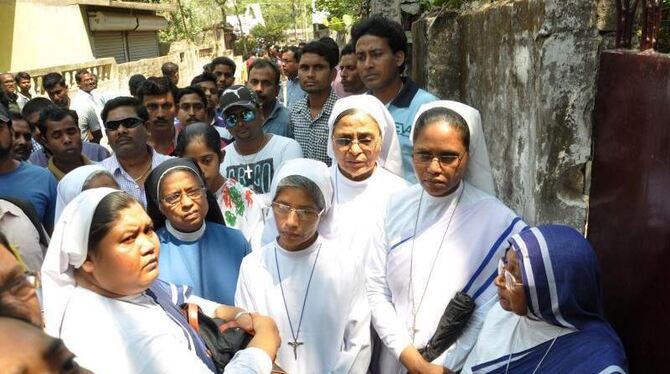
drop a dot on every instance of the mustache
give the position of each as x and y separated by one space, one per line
123 138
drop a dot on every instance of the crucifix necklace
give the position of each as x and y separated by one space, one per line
415 311
295 334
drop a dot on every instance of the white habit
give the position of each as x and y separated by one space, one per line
357 207
335 329
474 240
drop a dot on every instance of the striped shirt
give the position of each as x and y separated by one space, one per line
125 181
312 134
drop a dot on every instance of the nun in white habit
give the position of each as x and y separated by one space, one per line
315 295
363 142
80 179
106 304
439 237
478 172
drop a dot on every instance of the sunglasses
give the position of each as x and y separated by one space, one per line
128 123
245 116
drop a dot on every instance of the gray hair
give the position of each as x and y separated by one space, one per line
305 184
93 176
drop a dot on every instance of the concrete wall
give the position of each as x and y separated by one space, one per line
530 67
7 9
48 35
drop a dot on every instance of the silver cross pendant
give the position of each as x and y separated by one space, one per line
295 344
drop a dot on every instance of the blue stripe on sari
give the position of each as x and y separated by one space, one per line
163 294
400 242
541 279
490 254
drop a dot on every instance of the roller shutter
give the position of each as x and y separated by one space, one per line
142 44
110 44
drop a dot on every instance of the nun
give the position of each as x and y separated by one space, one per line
363 142
549 318
103 299
437 238
81 179
197 249
301 280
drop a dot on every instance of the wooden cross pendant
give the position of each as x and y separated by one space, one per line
295 344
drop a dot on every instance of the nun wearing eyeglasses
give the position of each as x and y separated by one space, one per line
549 318
363 142
314 294
255 156
197 249
437 238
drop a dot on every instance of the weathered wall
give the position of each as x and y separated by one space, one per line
48 35
530 67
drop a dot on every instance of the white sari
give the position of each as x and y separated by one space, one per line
454 246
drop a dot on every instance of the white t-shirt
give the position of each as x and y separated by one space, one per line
256 171
83 103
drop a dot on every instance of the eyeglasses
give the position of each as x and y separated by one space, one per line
193 193
128 123
445 161
22 285
364 143
246 116
195 107
304 215
510 281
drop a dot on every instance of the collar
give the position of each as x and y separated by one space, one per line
275 110
7 207
115 164
327 106
301 253
186 236
60 174
406 94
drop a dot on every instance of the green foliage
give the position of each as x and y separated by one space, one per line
338 8
268 35
188 22
343 13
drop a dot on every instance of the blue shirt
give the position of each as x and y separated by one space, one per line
35 184
293 92
209 266
403 109
277 123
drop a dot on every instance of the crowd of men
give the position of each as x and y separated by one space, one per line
293 98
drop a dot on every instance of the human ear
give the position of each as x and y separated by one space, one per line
88 266
399 57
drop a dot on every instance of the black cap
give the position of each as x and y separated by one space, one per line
238 96
4 114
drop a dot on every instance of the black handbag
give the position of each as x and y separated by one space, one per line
452 323
221 345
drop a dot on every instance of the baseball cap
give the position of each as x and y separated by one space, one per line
237 96
4 114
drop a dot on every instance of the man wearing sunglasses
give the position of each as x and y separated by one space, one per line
133 158
255 155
